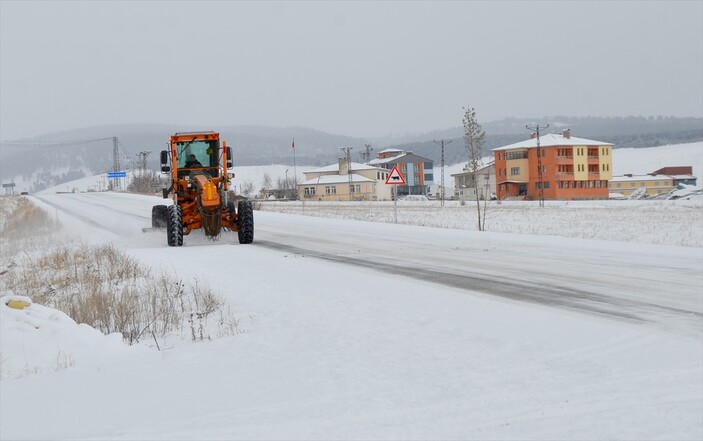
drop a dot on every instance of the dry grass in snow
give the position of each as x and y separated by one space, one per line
102 286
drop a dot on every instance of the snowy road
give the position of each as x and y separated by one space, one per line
421 333
615 279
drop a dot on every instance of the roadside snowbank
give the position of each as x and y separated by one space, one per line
37 339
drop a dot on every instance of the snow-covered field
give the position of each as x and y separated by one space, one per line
674 222
372 330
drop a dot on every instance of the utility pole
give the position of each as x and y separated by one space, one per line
347 151
441 183
536 129
142 161
116 159
366 154
295 174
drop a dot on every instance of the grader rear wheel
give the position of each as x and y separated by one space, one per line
246 222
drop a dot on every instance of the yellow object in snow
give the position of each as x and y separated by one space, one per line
17 304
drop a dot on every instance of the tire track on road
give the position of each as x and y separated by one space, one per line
543 294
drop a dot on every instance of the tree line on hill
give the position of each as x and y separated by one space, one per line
33 160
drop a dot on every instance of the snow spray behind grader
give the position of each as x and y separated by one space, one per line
199 167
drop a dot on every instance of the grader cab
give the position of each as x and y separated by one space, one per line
199 166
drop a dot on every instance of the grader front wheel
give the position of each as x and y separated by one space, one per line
174 226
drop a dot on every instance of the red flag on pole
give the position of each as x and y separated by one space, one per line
293 145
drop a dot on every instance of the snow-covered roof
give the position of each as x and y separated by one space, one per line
336 179
335 167
638 178
681 176
481 168
391 151
552 140
387 160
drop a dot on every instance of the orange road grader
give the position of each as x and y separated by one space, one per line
200 166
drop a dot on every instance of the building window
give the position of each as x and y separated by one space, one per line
515 170
330 189
546 184
516 155
356 188
309 191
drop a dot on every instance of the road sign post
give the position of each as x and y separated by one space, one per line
395 179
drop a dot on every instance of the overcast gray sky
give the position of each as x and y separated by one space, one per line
352 68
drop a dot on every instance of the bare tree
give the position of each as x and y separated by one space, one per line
248 189
474 139
266 183
145 182
286 187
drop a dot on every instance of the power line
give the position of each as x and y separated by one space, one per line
50 143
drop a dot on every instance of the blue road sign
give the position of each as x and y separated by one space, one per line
118 174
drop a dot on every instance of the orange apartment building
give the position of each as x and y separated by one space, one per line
572 168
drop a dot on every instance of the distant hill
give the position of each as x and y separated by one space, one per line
621 131
54 158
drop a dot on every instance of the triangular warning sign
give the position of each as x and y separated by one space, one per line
395 177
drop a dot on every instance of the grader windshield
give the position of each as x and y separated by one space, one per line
205 151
